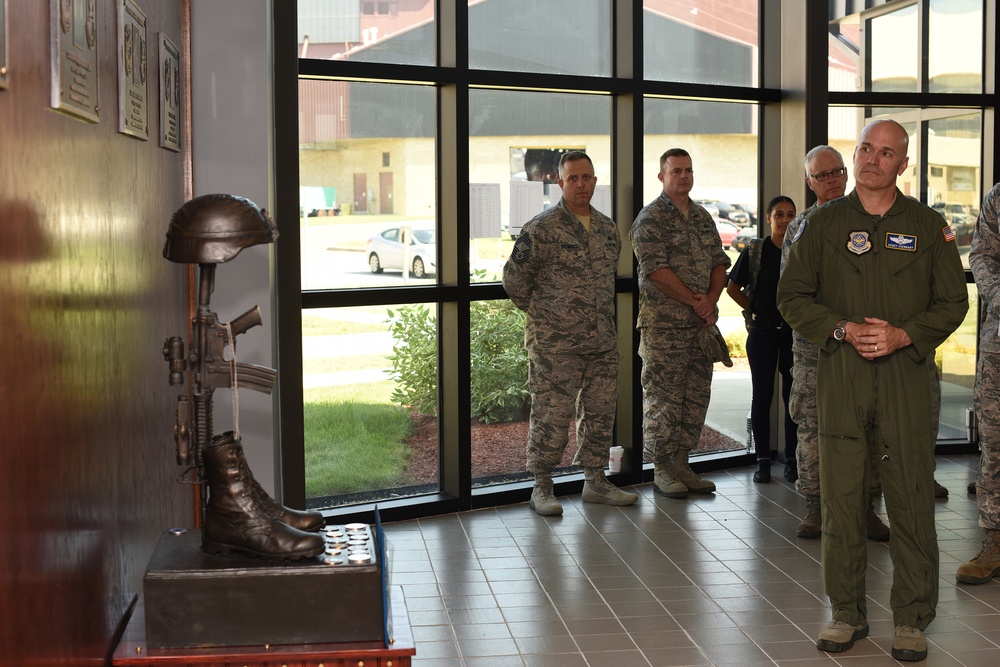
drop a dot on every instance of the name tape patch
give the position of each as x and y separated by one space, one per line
907 242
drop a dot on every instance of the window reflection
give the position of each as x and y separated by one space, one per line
953 149
516 139
701 41
533 36
951 69
723 147
891 47
956 360
844 43
500 400
366 177
369 403
386 31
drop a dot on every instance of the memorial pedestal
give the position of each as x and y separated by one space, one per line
134 651
194 599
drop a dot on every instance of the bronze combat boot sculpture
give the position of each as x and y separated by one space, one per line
238 515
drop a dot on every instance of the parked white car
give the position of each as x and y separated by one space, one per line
386 250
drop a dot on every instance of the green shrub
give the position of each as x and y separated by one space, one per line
737 342
499 373
414 358
499 363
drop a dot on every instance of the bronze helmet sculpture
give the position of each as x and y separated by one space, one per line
212 229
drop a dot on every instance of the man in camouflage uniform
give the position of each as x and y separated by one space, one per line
561 272
827 178
682 272
984 260
875 280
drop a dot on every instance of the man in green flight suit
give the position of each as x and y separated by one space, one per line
875 280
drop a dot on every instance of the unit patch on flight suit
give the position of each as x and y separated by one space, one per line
859 243
906 242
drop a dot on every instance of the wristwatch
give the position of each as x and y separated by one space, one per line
840 332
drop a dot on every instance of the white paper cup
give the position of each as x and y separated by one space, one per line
615 459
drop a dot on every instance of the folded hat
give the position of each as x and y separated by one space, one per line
714 345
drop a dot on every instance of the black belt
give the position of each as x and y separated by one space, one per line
760 323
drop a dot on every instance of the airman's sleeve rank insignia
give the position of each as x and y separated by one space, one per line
859 243
522 249
906 242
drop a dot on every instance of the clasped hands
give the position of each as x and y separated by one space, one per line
875 338
704 307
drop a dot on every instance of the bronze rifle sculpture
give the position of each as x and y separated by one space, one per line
238 514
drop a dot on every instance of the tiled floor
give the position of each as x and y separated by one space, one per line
711 580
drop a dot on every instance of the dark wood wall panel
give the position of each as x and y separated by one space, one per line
86 301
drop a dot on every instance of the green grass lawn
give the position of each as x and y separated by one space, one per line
354 439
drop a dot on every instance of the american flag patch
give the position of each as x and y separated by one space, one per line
949 234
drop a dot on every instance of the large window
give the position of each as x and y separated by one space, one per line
726 183
711 41
361 366
515 141
429 133
504 36
366 184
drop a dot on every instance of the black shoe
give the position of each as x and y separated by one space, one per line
972 488
791 471
763 472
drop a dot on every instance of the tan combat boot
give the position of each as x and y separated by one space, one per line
543 497
686 476
665 481
597 489
839 636
812 525
909 644
985 565
874 528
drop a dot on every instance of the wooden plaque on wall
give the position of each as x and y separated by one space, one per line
133 99
73 43
170 94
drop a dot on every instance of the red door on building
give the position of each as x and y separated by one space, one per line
360 193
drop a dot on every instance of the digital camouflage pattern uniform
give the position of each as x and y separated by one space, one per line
563 277
676 373
984 260
904 268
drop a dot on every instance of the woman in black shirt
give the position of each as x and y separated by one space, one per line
753 284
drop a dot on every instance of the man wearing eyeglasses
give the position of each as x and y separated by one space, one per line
874 279
561 272
826 176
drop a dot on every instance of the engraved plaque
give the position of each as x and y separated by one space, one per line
74 58
170 94
3 44
133 113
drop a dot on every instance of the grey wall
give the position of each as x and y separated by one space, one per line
231 47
